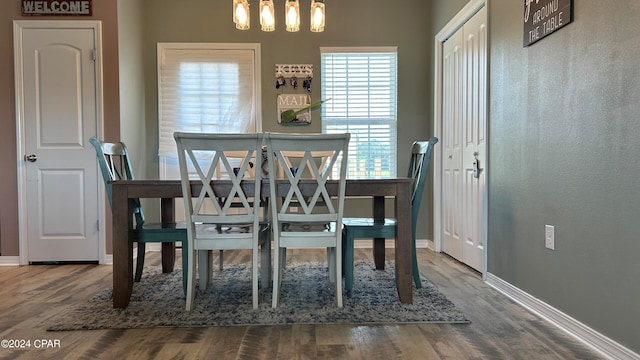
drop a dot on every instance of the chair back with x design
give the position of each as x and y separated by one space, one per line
303 225
226 219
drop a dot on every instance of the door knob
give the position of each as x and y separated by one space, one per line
30 158
476 169
476 166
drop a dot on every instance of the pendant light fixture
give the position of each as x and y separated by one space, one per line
267 15
317 15
242 19
292 15
241 14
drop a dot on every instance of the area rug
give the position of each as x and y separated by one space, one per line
307 297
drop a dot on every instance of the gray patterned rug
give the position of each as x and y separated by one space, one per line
307 297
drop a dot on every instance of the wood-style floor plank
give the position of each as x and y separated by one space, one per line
499 328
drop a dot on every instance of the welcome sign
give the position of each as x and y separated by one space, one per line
543 17
56 7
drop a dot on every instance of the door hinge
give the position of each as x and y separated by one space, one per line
98 225
92 54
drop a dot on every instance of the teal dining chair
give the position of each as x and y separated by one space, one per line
369 228
115 164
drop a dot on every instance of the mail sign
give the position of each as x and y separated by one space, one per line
56 7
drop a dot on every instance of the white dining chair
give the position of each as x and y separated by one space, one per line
221 220
294 226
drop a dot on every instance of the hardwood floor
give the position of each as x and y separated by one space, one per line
500 329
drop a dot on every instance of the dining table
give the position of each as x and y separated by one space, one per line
125 191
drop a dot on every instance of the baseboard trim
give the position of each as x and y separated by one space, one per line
15 260
390 244
9 260
599 342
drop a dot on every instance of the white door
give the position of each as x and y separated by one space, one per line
474 140
451 145
464 145
58 110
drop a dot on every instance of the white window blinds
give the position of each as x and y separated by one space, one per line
206 88
362 86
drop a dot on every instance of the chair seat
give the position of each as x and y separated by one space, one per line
173 232
367 222
164 230
308 226
230 228
368 228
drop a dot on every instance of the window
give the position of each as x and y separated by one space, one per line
362 86
207 88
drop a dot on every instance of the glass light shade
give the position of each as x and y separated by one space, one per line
267 15
317 16
241 14
292 15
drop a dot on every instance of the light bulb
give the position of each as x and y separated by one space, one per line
266 16
291 15
317 17
241 15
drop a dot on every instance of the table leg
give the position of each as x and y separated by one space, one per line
403 253
168 248
378 243
122 247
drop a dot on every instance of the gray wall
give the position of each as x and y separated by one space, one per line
132 101
564 151
385 24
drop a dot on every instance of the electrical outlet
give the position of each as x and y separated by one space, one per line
549 237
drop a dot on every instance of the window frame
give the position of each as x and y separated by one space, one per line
162 47
370 121
168 165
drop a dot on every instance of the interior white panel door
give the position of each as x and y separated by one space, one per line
60 114
464 142
452 113
474 140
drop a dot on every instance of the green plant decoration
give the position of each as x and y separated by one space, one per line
288 116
